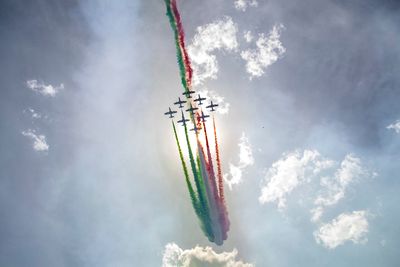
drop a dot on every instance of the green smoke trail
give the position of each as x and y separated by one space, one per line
199 181
195 201
179 55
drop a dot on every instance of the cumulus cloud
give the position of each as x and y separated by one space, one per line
269 50
218 35
394 126
334 187
289 172
245 159
223 106
346 227
174 256
243 4
39 141
43 89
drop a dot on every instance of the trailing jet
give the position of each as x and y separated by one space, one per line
188 94
203 117
199 99
212 106
192 109
196 128
170 112
180 102
183 120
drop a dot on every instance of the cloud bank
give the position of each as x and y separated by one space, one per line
174 256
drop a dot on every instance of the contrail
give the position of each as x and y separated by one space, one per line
182 56
207 198
199 181
218 159
210 194
224 211
195 201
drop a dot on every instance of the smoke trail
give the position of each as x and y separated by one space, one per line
189 71
211 197
195 201
182 56
210 202
224 215
210 166
199 181
220 201
219 169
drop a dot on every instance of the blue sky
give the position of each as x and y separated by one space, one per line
310 133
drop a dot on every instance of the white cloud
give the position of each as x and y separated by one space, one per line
394 126
289 172
243 4
245 159
39 141
269 50
334 187
248 36
174 256
346 227
223 106
220 34
43 89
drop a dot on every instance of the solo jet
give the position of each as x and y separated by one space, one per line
212 106
180 102
170 112
188 94
199 99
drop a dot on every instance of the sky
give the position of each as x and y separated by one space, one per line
309 126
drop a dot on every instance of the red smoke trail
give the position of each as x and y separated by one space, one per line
210 167
224 211
215 210
186 60
218 159
219 199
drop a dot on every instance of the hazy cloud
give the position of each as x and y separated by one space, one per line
245 159
174 256
43 89
248 36
39 141
394 126
243 4
268 50
334 187
33 113
346 227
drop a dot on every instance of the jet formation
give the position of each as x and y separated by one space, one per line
195 112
